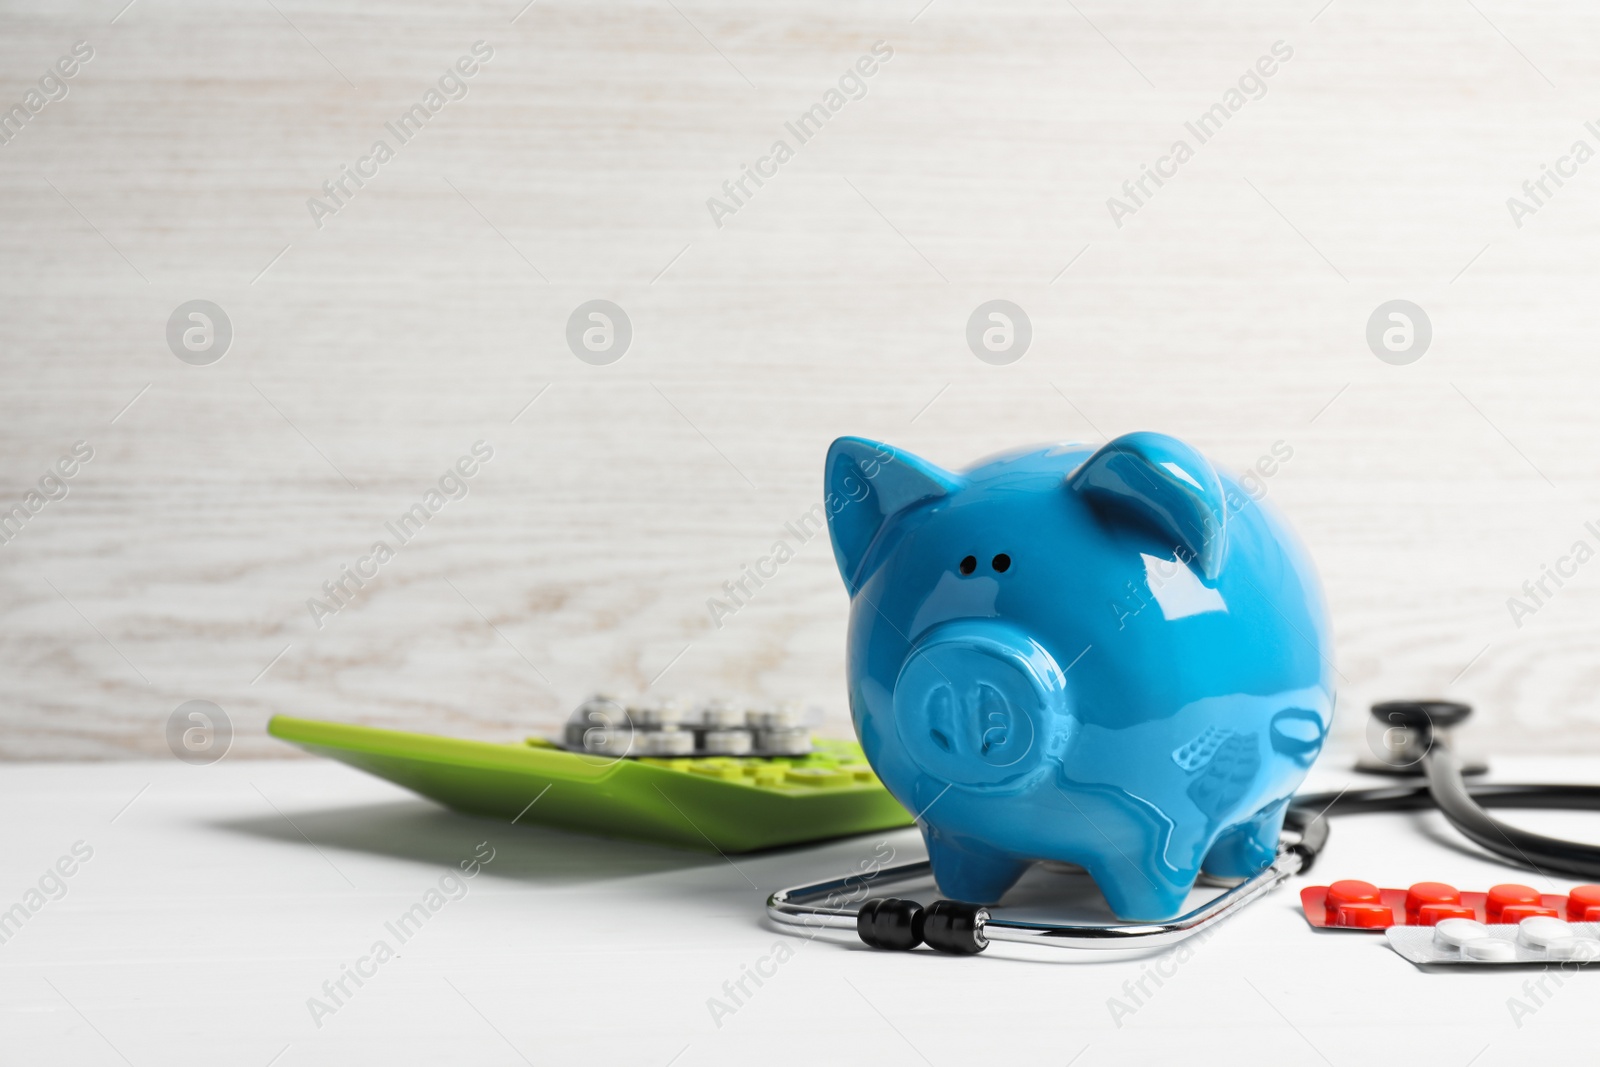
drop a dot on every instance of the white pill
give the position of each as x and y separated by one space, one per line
1491 949
664 743
1453 933
1572 948
1539 930
728 742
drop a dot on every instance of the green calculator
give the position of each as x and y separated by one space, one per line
721 803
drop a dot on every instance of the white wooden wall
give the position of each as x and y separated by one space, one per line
370 353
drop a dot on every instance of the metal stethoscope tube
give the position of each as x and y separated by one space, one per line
960 928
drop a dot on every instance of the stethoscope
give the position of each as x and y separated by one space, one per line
1414 733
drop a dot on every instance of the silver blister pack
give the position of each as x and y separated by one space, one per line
1537 940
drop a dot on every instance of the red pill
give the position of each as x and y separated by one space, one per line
1592 915
1432 914
1512 914
1364 916
1350 891
1509 893
1429 893
1580 900
1353 891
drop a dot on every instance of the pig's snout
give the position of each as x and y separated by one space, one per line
975 702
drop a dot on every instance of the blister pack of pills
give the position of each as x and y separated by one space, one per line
1356 905
1537 939
608 726
1434 922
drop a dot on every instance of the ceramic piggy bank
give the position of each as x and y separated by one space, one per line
1111 657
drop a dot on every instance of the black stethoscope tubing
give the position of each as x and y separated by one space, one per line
1463 806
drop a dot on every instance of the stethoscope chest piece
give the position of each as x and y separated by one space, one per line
1400 732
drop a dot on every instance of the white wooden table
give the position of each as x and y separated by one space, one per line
217 902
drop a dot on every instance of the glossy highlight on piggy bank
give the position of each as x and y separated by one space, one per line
1110 657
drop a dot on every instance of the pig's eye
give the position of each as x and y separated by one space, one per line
1000 563
969 565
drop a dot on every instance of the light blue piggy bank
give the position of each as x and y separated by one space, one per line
1110 657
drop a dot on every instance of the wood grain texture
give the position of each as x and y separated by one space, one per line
428 312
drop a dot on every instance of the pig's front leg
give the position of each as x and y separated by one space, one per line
968 871
1139 895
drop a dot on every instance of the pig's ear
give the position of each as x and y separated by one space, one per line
1161 482
866 484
